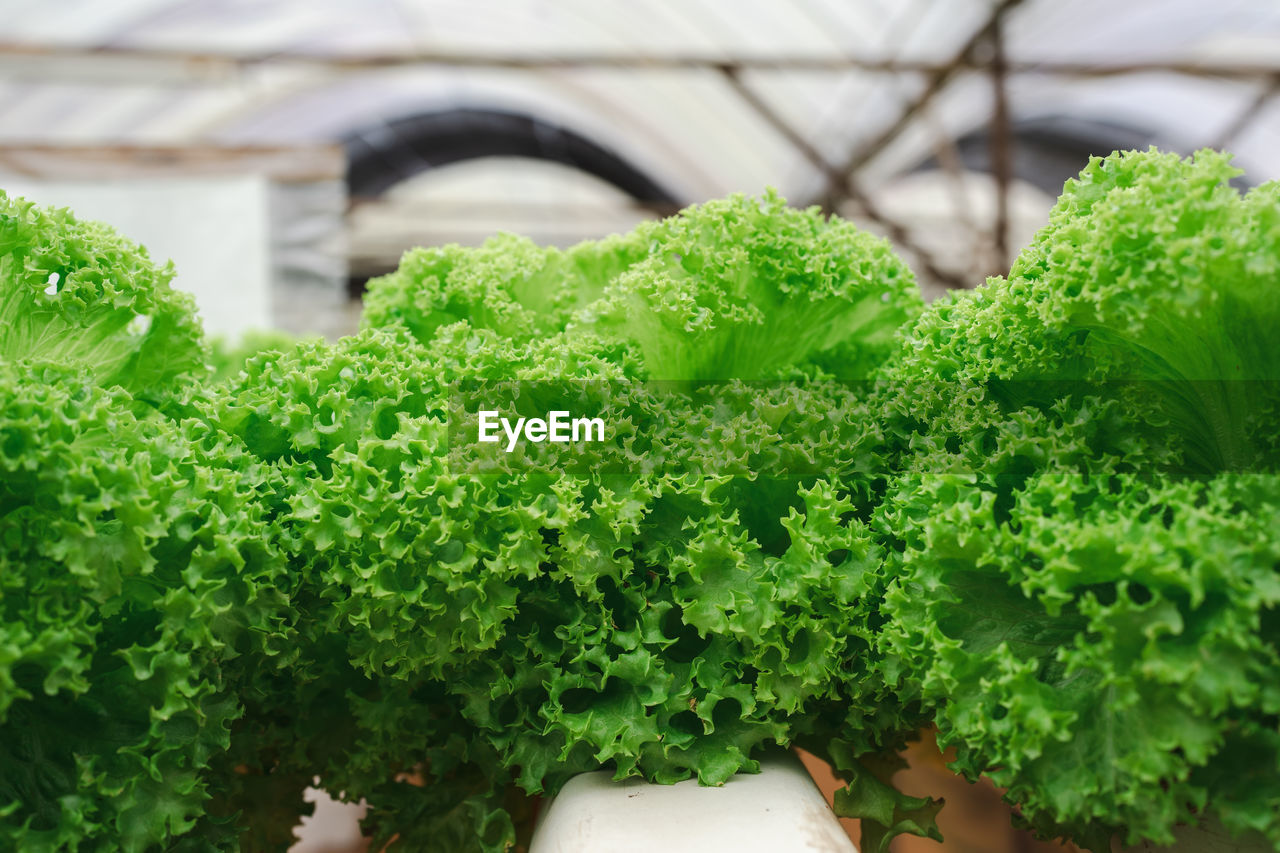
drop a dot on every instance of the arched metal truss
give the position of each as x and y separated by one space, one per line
382 156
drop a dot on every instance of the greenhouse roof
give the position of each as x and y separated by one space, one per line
658 81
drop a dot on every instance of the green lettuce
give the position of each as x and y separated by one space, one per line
1108 654
135 583
1081 521
665 604
1153 283
78 295
1039 514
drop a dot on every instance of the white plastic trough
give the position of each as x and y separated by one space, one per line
778 810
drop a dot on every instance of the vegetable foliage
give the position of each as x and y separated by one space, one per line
1039 515
1087 576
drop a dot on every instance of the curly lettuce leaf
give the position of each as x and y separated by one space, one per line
509 285
136 590
228 357
1154 281
1105 653
741 288
885 812
668 621
747 288
78 295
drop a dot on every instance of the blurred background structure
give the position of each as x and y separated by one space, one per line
281 152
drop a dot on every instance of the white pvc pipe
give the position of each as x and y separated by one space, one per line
778 810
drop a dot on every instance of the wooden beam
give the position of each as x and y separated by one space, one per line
284 164
122 64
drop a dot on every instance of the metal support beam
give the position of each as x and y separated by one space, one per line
849 187
1001 144
112 64
1246 117
938 79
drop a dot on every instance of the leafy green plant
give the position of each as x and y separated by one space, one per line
660 605
1087 566
1039 515
134 581
137 583
80 295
